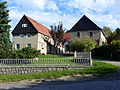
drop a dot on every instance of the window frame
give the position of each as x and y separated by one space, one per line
29 45
22 35
24 25
17 46
91 34
28 35
78 34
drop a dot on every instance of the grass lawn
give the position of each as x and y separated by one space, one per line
50 56
44 59
98 69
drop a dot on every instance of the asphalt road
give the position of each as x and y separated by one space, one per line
89 85
112 82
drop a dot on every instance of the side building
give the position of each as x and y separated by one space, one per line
29 33
86 28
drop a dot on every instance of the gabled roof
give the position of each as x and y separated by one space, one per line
42 29
66 36
33 27
84 24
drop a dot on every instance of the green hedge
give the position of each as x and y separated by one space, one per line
27 52
108 51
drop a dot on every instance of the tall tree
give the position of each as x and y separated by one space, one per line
57 34
5 44
117 31
107 31
114 36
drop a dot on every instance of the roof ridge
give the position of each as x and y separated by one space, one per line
41 28
85 24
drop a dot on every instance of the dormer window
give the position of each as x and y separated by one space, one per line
24 25
78 34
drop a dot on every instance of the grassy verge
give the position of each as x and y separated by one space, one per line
50 56
104 58
99 69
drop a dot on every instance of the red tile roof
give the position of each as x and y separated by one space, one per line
67 36
42 29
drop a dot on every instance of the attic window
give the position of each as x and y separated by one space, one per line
24 25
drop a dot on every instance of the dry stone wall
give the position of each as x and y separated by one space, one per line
31 69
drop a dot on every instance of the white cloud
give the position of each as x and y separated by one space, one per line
45 18
34 4
97 5
47 11
105 20
39 3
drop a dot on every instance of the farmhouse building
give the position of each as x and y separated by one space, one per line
28 32
86 28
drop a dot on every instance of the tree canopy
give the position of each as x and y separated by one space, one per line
107 31
5 44
82 44
117 31
57 34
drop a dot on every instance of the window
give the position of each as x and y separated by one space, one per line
17 46
28 45
24 25
28 35
78 34
91 34
21 35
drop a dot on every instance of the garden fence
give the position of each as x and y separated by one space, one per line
79 59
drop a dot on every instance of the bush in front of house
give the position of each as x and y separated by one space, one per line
27 52
82 44
110 51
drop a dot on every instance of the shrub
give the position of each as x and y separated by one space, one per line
108 51
115 45
27 52
82 44
102 51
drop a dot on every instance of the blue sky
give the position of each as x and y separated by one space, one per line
47 12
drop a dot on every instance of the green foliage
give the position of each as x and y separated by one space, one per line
49 56
116 45
27 52
114 36
98 68
117 31
102 51
5 44
82 44
107 31
57 34
108 51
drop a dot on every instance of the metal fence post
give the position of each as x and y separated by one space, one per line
90 59
75 54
